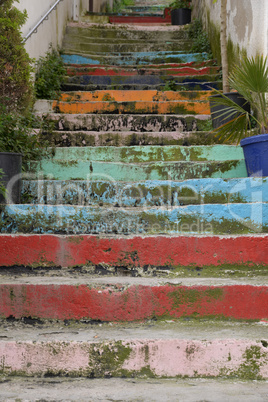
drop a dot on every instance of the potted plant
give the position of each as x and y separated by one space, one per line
250 79
181 12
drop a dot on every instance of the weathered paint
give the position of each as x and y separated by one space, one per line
134 59
148 193
133 96
61 169
119 303
157 107
190 219
121 19
122 72
157 251
244 359
128 122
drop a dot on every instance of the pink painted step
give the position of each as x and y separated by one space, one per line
152 350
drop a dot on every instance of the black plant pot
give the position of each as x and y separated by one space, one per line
10 163
180 16
218 111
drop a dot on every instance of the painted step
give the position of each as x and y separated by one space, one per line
161 102
145 194
132 107
206 219
170 84
60 169
182 255
133 96
137 154
119 139
108 32
156 20
138 58
124 123
77 44
214 350
181 84
203 68
132 299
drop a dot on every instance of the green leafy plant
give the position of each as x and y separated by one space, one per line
250 80
15 64
180 4
16 135
199 37
50 75
2 187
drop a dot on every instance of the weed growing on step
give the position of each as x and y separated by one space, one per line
50 75
200 38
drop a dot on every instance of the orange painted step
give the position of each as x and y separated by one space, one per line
133 107
134 96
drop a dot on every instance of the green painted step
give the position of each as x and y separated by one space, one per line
137 154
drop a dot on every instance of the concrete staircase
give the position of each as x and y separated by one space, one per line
140 248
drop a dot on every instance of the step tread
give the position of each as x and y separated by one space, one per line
166 330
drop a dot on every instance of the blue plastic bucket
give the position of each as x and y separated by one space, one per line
256 155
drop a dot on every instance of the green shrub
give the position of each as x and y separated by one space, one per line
16 87
2 187
200 38
50 75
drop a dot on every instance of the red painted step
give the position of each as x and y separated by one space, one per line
70 251
125 302
128 19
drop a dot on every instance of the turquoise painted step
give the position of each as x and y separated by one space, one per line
137 154
118 171
134 59
192 219
147 193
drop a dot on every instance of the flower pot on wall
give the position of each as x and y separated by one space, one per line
256 155
10 163
218 110
180 16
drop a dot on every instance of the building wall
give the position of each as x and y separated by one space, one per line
247 22
51 31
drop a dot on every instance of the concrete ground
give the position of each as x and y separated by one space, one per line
181 390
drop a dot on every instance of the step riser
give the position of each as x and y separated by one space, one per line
145 194
133 358
135 96
159 252
140 72
192 219
137 154
95 139
191 86
131 60
76 46
121 303
109 32
123 123
86 170
139 20
169 107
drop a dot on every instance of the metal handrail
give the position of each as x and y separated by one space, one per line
45 17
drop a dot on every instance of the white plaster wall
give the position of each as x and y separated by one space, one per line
51 30
247 22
